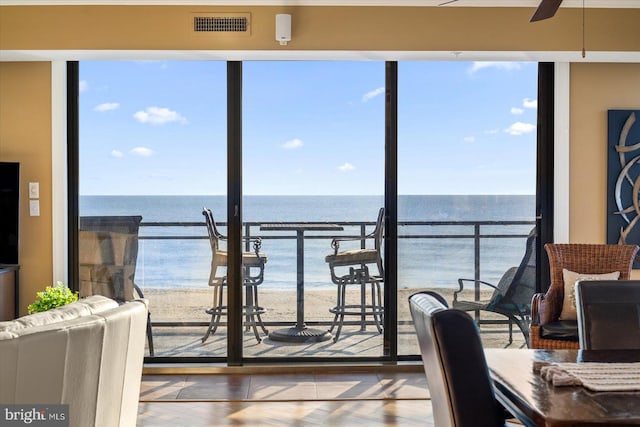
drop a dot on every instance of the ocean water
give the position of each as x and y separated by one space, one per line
425 257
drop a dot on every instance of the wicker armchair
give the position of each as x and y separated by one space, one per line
577 257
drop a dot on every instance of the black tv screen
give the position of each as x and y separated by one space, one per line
9 211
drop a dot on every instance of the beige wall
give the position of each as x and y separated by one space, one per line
25 137
595 88
25 88
319 28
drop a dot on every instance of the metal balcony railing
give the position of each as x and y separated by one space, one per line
475 231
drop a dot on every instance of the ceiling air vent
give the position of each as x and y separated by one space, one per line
220 24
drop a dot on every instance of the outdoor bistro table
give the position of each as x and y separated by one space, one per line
300 333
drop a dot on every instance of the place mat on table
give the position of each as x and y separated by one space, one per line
592 375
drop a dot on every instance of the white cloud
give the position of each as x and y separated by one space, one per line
492 131
372 94
142 151
530 103
469 139
117 154
346 167
83 86
159 116
519 128
516 110
294 143
501 65
107 106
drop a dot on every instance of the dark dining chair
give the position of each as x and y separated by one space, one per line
461 389
608 314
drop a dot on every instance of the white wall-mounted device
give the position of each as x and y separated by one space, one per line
283 28
34 190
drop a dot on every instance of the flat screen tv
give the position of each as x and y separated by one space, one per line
9 211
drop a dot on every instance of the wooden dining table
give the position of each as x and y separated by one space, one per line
536 402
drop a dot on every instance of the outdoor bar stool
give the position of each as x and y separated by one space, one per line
253 275
354 267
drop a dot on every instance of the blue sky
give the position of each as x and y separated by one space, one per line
309 127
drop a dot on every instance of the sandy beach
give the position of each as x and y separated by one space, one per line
189 305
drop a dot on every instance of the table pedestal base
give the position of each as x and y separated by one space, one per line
300 335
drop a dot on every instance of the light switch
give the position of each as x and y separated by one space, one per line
34 207
34 190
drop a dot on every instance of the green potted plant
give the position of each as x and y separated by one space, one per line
51 297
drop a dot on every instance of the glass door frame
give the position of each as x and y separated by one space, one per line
234 213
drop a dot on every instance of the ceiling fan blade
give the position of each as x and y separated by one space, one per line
546 9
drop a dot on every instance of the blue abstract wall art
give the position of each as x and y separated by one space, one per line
623 178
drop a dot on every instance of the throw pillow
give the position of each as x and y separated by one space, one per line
570 278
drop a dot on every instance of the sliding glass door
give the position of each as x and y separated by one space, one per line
152 155
466 185
313 169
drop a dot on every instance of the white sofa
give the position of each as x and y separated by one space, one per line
87 354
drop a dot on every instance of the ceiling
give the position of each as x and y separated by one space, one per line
459 3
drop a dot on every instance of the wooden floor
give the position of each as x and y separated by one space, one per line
321 398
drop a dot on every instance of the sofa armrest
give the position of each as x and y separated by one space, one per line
83 307
92 362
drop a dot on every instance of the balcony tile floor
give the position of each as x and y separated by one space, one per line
186 342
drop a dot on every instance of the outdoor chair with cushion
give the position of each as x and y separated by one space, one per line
608 314
512 295
253 275
107 258
360 267
461 389
553 314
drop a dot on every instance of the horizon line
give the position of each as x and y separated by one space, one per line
305 195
